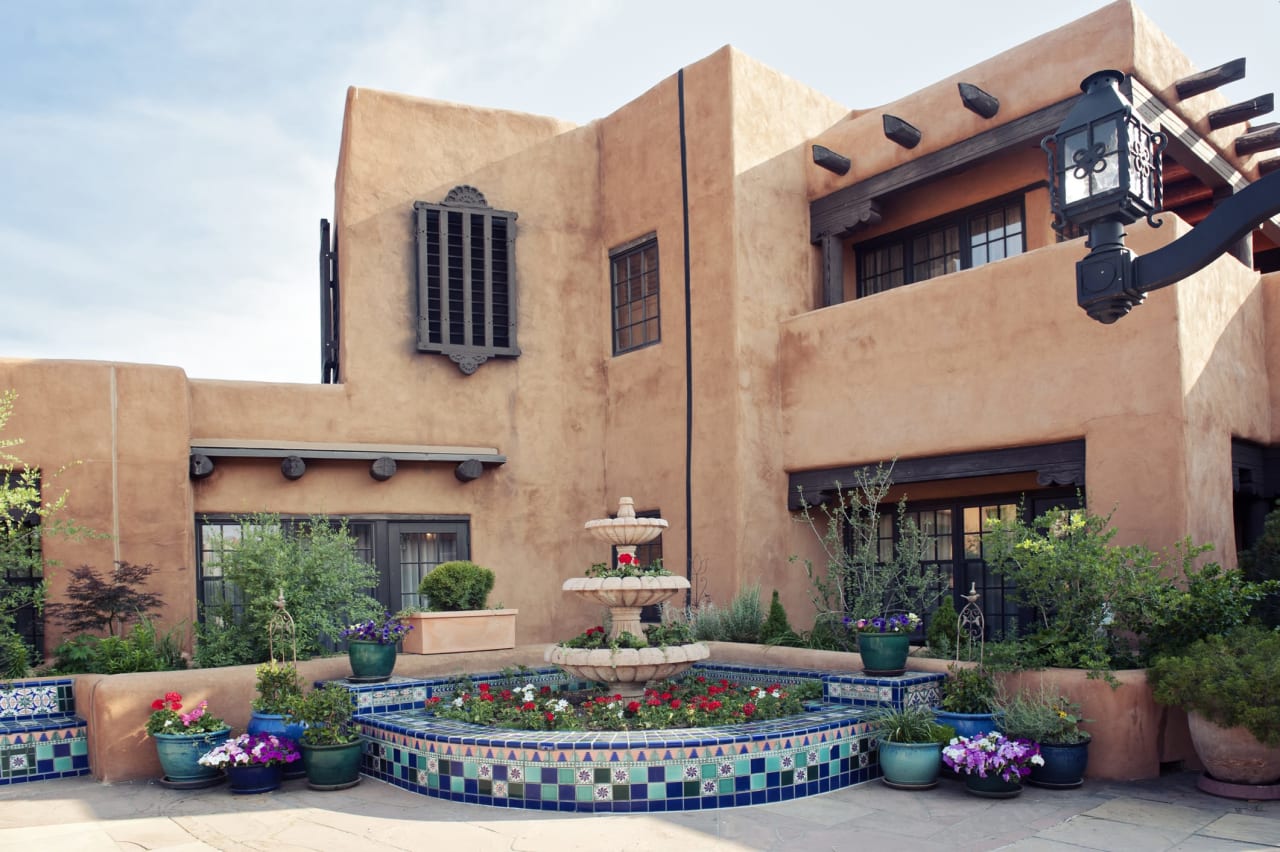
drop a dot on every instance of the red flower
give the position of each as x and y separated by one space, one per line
158 704
175 706
484 687
551 717
435 699
485 696
633 707
172 696
666 696
626 559
546 690
675 704
748 709
506 695
528 705
700 679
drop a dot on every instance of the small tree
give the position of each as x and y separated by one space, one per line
867 573
110 603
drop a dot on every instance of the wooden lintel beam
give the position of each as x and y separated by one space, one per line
1266 167
1207 81
1259 139
1243 111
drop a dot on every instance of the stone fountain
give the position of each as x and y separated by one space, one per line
626 670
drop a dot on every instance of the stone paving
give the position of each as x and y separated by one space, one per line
1164 814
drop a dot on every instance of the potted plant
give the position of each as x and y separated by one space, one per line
884 643
968 701
1230 688
1052 722
253 762
910 744
992 764
181 738
455 618
331 744
279 689
371 647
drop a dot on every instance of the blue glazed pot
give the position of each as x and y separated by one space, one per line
1064 765
884 654
967 724
991 787
180 755
910 766
254 778
274 723
371 662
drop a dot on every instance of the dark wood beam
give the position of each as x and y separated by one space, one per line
1207 81
904 133
292 467
1262 138
830 160
469 470
1266 167
1243 111
976 100
383 468
832 271
200 466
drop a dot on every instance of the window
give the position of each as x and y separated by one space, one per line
21 553
633 278
403 549
954 532
964 240
466 279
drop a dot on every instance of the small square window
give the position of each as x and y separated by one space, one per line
633 278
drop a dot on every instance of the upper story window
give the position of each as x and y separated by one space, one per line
466 279
963 240
633 279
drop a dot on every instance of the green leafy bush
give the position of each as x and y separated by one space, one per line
776 629
1041 717
327 712
456 586
314 565
740 621
908 724
968 689
279 688
142 649
1231 680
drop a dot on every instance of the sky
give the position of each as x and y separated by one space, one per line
164 165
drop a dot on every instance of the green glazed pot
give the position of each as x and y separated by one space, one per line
332 767
910 766
371 662
884 654
180 755
991 787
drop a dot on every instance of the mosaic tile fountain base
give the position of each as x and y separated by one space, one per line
825 749
40 735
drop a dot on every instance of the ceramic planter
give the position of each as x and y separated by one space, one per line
455 632
910 766
180 755
971 725
1064 765
1233 755
371 662
332 767
884 654
254 778
274 723
991 787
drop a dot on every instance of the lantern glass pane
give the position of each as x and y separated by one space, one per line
1075 175
1107 179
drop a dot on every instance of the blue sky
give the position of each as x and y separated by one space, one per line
164 165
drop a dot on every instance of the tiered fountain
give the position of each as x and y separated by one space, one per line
626 670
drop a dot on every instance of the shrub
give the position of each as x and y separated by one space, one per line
1040 717
1261 563
776 629
108 603
327 712
1231 680
142 649
314 565
739 622
968 690
456 586
279 689
908 724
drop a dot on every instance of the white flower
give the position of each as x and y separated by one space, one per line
457 702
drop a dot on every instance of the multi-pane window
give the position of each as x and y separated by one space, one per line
633 279
466 279
403 549
963 240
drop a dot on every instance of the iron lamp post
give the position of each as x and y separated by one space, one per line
1105 173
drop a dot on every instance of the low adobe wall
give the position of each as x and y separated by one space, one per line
116 707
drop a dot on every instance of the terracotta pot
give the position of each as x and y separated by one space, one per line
454 632
1233 754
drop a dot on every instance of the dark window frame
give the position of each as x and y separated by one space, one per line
905 241
466 279
636 287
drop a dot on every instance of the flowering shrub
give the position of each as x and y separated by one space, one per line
655 636
252 750
167 718
387 630
893 624
628 566
992 753
695 702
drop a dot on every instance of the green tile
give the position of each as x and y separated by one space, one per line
742 767
788 776
433 780
584 792
515 790
710 770
675 772
470 769
566 776
550 792
726 785
44 751
692 788
757 781
456 785
638 774
773 764
601 775
621 792
801 757
79 746
657 790
485 786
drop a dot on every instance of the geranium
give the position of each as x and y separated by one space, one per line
628 566
992 754
387 630
166 717
252 750
904 623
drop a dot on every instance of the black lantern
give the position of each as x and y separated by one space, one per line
1104 163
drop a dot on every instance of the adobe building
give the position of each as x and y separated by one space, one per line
687 302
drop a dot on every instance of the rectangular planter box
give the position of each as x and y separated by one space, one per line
454 632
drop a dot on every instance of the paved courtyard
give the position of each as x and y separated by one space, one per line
1169 813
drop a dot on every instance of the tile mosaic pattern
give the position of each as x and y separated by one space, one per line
40 735
628 771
